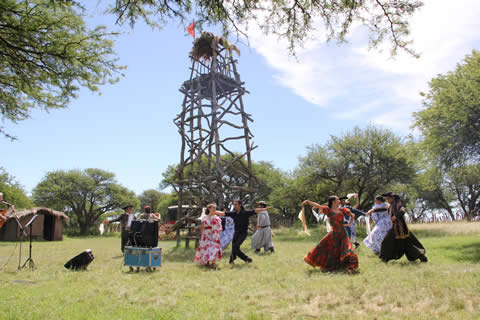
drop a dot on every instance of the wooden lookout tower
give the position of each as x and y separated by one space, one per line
215 157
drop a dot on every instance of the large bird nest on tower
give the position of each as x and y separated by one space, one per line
205 44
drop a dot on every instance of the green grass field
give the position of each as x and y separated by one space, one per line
277 286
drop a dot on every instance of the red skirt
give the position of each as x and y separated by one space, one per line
333 252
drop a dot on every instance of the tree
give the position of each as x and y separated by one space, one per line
153 198
450 120
288 197
293 19
427 193
13 191
365 161
465 184
47 52
269 179
84 195
267 175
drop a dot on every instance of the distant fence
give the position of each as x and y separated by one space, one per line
113 227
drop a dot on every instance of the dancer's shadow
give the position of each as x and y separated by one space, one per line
315 272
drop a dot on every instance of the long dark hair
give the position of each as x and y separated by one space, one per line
397 202
330 200
240 203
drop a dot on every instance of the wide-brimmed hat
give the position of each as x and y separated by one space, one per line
388 194
262 203
128 206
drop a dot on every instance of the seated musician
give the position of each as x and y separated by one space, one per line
5 213
148 215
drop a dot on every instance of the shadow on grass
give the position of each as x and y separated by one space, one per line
431 233
180 254
238 265
463 253
314 271
403 262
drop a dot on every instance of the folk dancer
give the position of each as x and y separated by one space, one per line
383 224
241 218
399 240
334 251
228 227
262 238
209 250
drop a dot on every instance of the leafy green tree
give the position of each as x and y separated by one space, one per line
269 178
47 52
287 198
450 121
154 199
13 191
427 193
85 195
464 182
365 161
293 20
168 199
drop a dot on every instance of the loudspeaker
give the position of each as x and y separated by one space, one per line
81 261
143 233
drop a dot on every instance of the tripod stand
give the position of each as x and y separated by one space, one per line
30 261
22 234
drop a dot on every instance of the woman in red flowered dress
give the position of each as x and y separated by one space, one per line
334 251
209 250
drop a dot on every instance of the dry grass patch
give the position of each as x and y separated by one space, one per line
447 228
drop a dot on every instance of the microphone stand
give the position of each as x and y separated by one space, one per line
22 234
30 261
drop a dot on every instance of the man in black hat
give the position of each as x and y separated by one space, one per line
399 240
125 221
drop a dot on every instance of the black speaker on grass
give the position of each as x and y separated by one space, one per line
81 261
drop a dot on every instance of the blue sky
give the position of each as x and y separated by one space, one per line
327 90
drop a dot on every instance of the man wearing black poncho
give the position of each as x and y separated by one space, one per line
399 240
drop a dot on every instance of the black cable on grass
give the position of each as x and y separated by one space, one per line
10 258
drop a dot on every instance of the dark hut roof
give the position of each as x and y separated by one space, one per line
41 210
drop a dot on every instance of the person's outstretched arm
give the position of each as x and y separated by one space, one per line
313 204
357 203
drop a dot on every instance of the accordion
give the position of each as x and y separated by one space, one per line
143 234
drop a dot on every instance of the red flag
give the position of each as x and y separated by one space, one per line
191 29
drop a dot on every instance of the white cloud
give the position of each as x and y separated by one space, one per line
357 83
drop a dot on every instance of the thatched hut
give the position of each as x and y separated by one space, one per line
47 226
